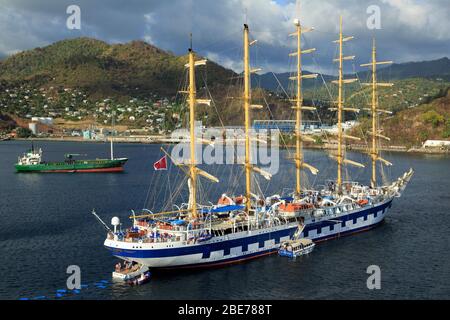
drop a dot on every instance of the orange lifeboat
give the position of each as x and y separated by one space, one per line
240 200
363 202
166 227
224 201
142 223
295 207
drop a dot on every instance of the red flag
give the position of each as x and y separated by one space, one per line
161 164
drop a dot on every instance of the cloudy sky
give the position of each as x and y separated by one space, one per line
411 30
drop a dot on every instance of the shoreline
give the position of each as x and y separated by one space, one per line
165 140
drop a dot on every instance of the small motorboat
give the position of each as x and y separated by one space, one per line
295 248
142 279
128 271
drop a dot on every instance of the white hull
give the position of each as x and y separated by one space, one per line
245 245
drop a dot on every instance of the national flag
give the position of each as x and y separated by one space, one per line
161 164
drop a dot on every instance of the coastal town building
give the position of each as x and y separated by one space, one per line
436 144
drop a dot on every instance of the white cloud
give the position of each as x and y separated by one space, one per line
411 29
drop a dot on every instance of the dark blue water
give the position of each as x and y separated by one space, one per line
46 225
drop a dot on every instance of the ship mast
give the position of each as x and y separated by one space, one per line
249 167
299 138
194 172
192 167
112 132
247 97
340 105
376 132
340 109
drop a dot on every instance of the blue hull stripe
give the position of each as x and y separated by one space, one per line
270 251
206 248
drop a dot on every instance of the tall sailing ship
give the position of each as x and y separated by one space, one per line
248 226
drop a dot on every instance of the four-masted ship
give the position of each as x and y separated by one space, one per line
243 227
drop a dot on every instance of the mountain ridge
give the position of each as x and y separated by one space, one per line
397 71
92 63
137 75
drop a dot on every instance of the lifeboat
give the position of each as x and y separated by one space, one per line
142 223
225 201
240 200
166 227
295 207
363 202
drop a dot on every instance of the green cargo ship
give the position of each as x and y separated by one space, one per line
31 161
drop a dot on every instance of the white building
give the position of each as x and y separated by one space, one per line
33 127
436 144
44 120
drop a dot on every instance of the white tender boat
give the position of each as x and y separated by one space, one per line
129 273
295 248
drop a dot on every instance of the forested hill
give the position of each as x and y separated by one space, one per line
104 69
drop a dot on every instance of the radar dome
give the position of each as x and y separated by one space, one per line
115 221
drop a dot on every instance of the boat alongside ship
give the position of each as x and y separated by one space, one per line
250 225
296 248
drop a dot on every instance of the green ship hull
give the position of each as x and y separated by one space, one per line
99 165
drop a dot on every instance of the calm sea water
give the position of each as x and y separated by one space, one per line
46 225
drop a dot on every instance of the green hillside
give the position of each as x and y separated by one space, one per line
412 127
405 94
424 69
86 80
135 68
